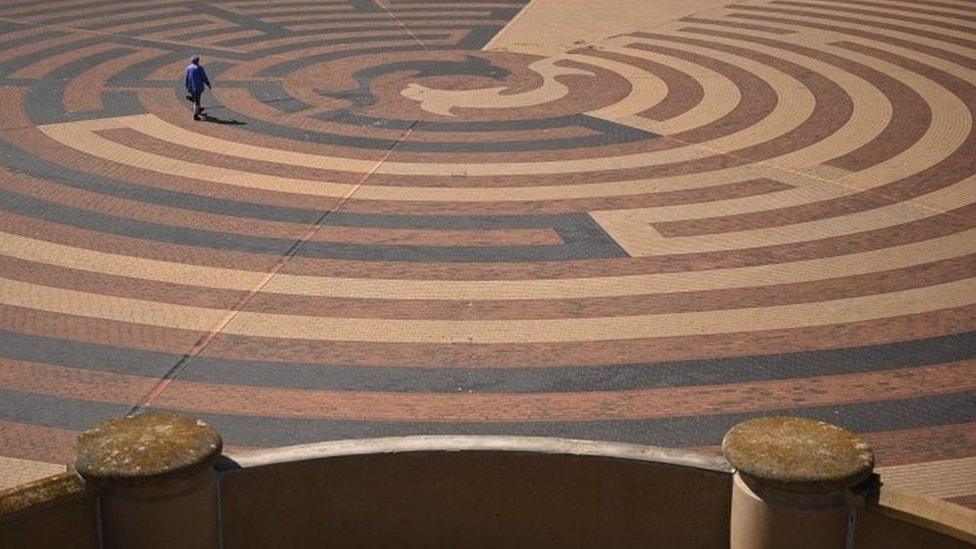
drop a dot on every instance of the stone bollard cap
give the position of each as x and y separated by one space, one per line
798 454
146 447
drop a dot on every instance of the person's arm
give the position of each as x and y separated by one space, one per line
205 79
186 80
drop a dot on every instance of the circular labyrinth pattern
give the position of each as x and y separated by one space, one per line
387 229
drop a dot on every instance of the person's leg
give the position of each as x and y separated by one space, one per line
197 109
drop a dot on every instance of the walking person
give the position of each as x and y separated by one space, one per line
195 80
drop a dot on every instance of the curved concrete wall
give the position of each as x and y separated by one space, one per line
469 492
878 530
902 519
57 511
475 492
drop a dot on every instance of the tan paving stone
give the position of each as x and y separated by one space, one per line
14 472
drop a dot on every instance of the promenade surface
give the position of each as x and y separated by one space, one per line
605 219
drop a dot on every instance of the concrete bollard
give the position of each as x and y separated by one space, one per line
793 481
157 480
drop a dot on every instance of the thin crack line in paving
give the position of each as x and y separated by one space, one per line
232 313
404 27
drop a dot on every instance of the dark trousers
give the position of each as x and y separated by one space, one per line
194 97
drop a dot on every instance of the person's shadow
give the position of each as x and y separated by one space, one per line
215 120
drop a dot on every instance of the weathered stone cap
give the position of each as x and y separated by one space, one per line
798 454
146 447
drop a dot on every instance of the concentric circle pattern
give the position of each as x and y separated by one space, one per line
404 216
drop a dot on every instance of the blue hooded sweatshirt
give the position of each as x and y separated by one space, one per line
195 78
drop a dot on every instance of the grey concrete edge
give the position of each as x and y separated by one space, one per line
512 444
930 513
43 493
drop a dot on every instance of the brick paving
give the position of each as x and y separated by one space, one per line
620 221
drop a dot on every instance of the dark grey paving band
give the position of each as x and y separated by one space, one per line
19 160
610 133
242 21
288 48
49 10
289 65
707 430
109 19
480 32
671 431
534 379
406 20
182 49
164 27
6 27
366 6
587 241
17 63
44 105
